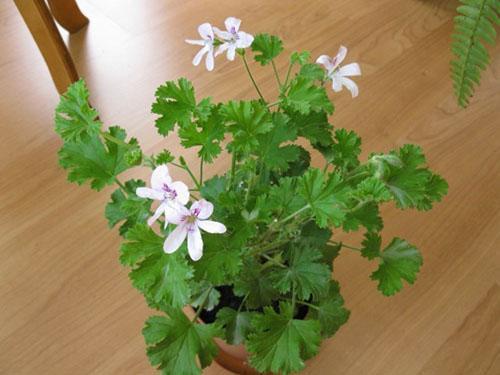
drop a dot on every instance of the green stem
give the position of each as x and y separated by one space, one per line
198 312
276 74
274 103
309 304
243 302
287 75
251 77
291 216
201 171
118 182
186 168
233 171
344 245
109 137
274 261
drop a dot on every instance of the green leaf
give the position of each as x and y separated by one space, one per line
300 57
330 311
312 72
176 104
274 156
75 119
236 324
266 48
246 120
373 190
399 261
204 295
127 207
256 283
368 215
314 127
175 343
221 261
207 133
371 245
162 278
304 272
346 149
411 183
303 96
164 157
325 197
283 199
473 27
93 161
281 343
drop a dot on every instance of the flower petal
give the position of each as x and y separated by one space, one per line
351 86
232 23
202 209
209 60
222 34
197 58
244 40
206 31
231 52
159 177
144 192
198 42
175 239
350 70
336 82
222 48
326 61
195 243
181 190
175 213
341 54
157 214
212 226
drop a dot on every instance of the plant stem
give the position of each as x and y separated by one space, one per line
198 312
243 302
344 245
120 185
186 168
287 75
272 260
109 137
274 103
233 170
251 77
309 304
201 171
276 73
291 216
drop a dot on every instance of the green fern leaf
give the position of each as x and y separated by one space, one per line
474 25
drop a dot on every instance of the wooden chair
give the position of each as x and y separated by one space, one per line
40 21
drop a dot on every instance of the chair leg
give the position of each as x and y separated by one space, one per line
37 17
68 15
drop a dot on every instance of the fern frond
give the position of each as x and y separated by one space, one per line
474 25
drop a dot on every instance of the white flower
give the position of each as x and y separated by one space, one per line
339 75
189 222
233 38
207 33
170 194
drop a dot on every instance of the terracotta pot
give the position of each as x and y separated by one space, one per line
232 357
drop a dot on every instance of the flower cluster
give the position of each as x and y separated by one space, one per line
230 40
233 39
173 196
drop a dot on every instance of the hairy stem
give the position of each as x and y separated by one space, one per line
198 312
335 243
251 77
186 168
276 74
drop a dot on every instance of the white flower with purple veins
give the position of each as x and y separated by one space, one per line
338 74
169 193
189 222
207 33
232 37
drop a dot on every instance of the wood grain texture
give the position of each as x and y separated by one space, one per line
67 306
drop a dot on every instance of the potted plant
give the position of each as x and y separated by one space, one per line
250 251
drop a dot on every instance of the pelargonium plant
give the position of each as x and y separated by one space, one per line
251 250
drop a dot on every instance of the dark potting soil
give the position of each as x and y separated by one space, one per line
229 299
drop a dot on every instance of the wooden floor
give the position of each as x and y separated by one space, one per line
66 305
